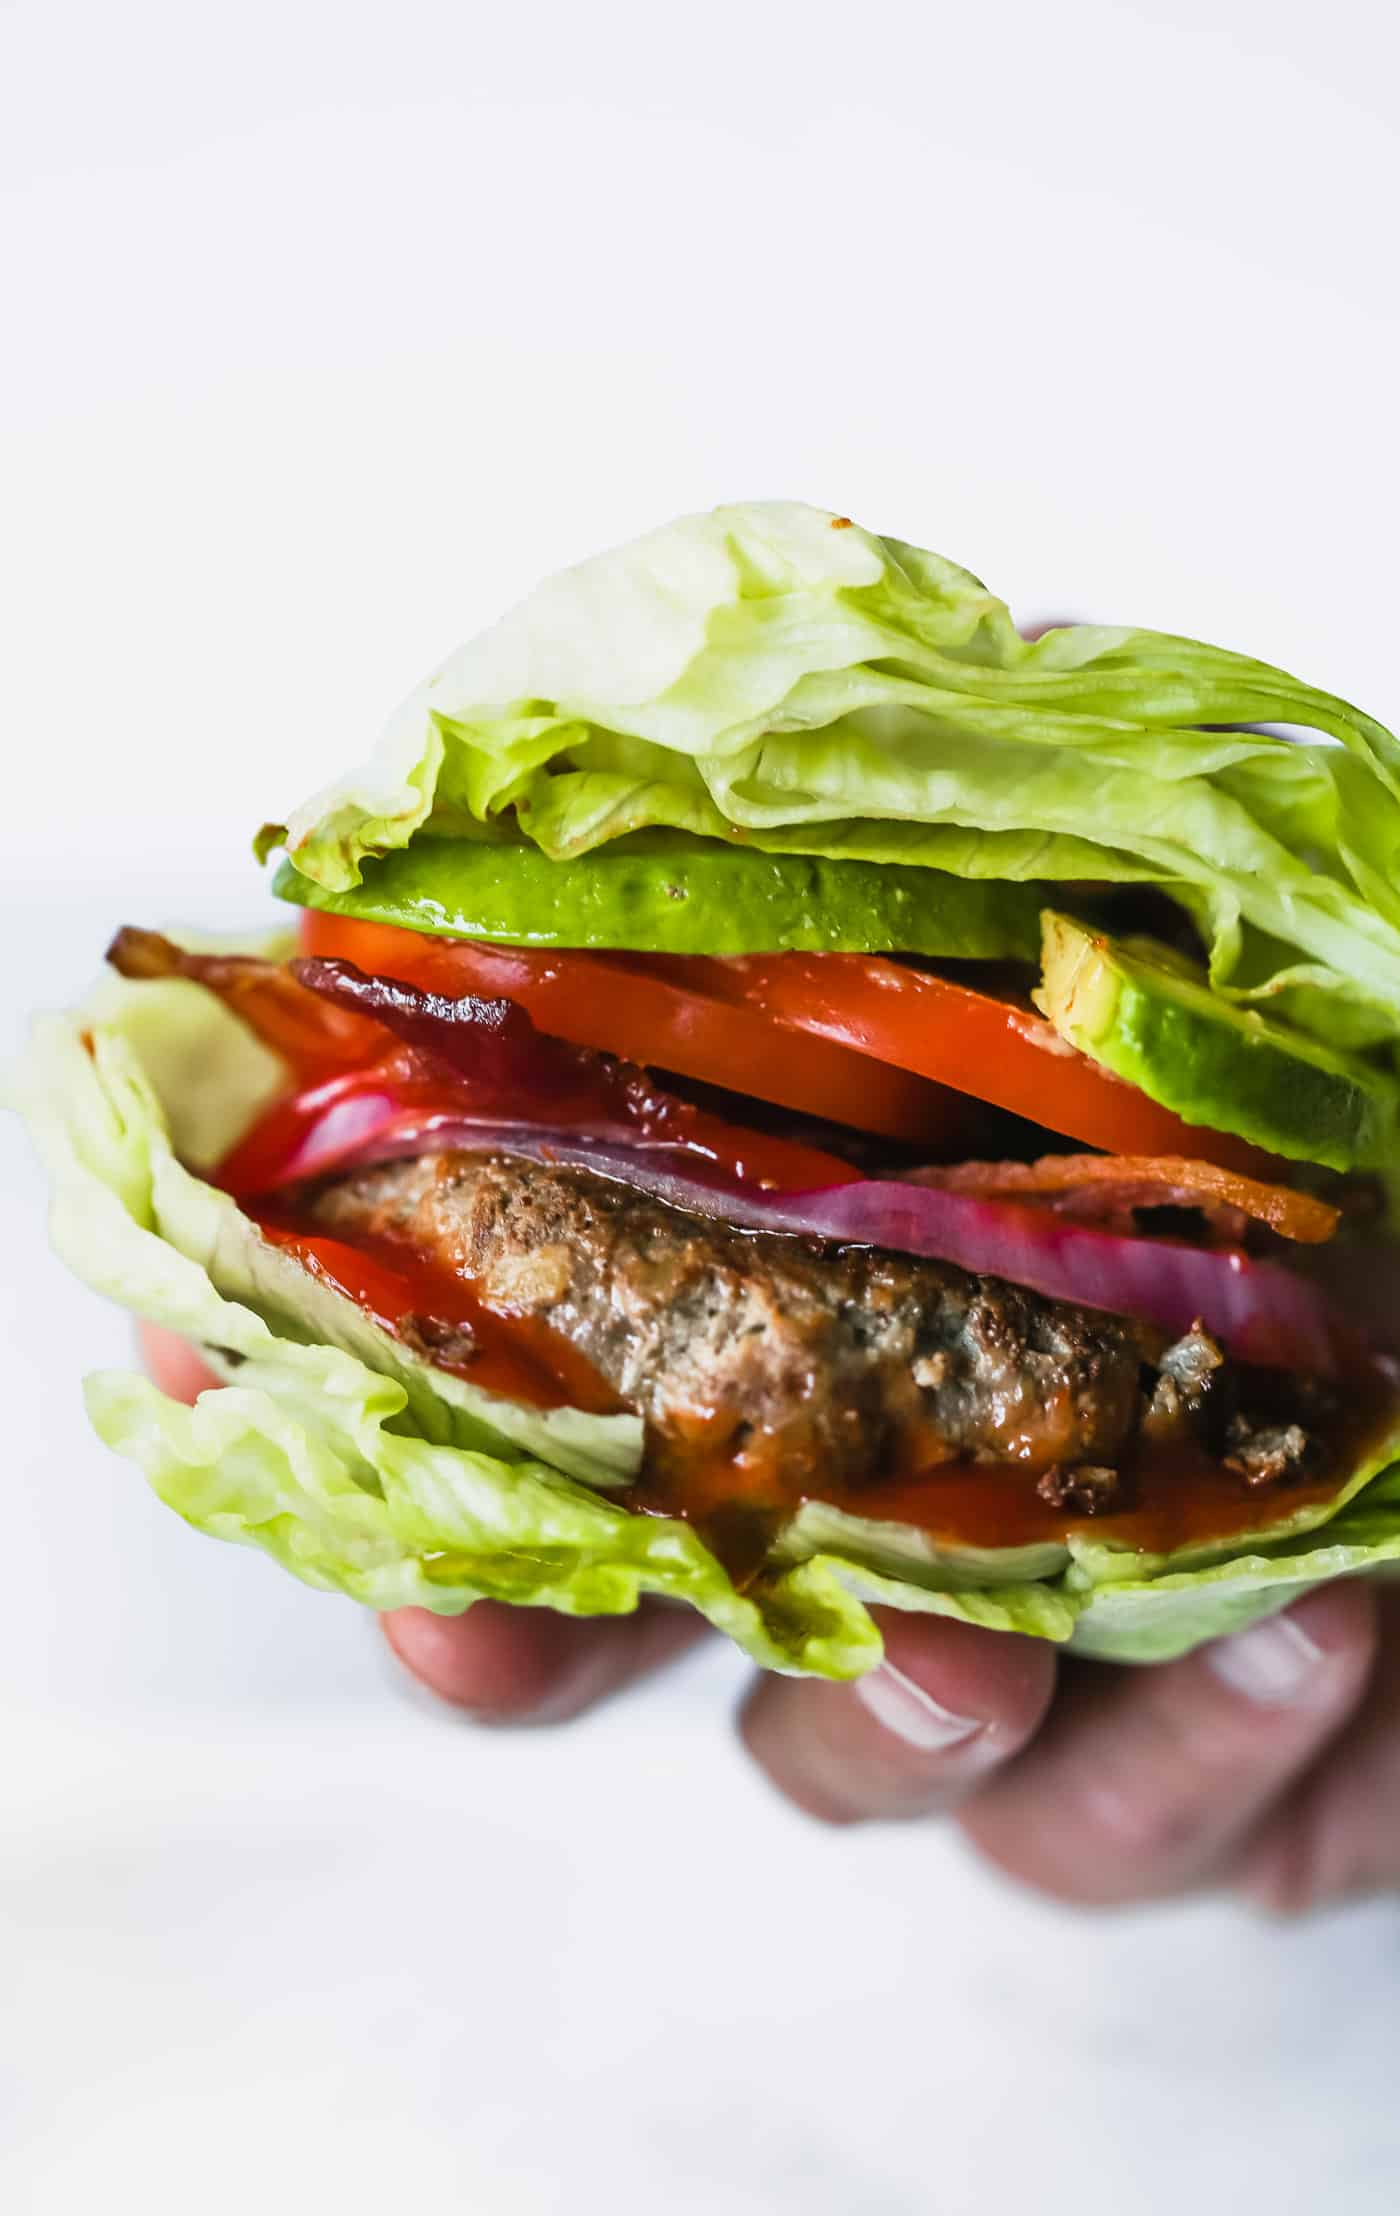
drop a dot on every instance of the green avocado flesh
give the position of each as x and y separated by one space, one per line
671 893
1153 1018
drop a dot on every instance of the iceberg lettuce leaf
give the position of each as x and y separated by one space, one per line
772 673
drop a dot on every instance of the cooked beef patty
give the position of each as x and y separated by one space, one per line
863 1363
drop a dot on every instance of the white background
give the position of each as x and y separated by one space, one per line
326 328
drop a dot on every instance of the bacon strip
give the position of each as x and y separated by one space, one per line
327 1016
310 1033
493 1046
371 1054
1106 1188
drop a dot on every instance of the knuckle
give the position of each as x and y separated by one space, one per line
1315 1861
1138 1825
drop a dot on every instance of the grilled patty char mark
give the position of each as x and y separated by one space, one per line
852 1361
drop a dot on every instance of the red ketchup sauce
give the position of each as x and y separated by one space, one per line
444 1317
737 1486
1175 1495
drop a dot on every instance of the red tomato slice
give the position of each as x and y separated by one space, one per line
852 1038
632 1008
327 1126
995 1048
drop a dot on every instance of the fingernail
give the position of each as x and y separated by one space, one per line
913 1715
1274 1663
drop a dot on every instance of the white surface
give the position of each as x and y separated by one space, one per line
330 327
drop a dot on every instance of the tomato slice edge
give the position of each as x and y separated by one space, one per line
905 1052
653 1019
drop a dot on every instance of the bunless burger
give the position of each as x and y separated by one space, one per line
785 1093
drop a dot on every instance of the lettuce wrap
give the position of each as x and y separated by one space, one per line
774 677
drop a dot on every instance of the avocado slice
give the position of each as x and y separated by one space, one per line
675 893
1152 1017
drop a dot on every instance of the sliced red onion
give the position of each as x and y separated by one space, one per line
363 1128
1260 1310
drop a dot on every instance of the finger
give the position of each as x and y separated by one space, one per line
948 1703
1145 1781
1338 1834
173 1363
507 1665
501 1664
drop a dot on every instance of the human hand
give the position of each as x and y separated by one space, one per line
1267 1764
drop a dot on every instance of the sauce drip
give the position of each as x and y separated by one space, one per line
739 1484
448 1319
1175 1495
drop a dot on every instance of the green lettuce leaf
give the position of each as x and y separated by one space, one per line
1154 1618
774 674
356 1467
367 1472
